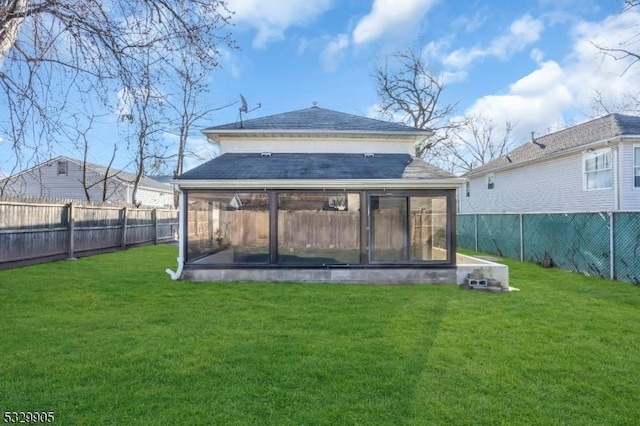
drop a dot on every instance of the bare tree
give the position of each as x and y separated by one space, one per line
91 49
91 176
474 140
410 91
623 103
628 49
192 87
144 109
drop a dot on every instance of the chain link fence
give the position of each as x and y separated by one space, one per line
600 244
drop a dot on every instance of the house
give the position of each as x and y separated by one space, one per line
593 166
64 177
317 195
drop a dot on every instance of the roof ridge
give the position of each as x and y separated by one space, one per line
316 118
598 129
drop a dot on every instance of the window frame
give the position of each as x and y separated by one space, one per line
365 230
636 166
491 181
587 155
410 195
62 165
328 199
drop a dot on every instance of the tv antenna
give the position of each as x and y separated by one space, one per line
244 108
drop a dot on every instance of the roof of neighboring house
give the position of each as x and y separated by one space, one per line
601 129
127 177
124 176
316 119
243 166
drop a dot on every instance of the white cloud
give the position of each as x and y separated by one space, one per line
390 15
552 94
436 49
333 51
231 62
537 55
450 77
523 32
199 150
530 101
271 19
470 24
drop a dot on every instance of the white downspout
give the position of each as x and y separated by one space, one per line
181 238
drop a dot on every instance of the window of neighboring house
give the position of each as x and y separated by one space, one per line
62 167
467 188
490 179
636 167
597 169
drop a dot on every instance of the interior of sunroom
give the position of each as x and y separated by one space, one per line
319 228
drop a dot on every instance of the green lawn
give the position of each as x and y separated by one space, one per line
111 340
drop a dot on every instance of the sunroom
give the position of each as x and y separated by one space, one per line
382 216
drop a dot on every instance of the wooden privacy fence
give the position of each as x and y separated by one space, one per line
35 233
326 229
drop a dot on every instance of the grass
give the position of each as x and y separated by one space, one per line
111 340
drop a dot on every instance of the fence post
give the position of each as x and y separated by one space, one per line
475 224
124 227
521 240
70 230
154 217
612 249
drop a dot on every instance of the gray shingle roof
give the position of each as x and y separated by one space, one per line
318 119
145 182
243 166
600 129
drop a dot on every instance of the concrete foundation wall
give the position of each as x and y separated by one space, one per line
485 268
336 276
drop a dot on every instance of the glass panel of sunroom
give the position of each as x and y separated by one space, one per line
318 228
390 231
227 228
428 223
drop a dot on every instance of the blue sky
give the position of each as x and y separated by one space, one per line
531 62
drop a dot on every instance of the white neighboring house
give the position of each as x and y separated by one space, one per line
593 166
62 177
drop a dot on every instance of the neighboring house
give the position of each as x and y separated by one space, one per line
594 166
317 195
63 177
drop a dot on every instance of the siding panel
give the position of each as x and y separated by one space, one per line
552 186
629 195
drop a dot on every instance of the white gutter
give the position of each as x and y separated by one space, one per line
374 184
181 235
217 134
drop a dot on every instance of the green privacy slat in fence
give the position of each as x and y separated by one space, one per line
627 246
499 234
577 242
466 231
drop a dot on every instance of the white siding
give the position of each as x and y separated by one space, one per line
44 181
151 197
318 145
629 196
555 185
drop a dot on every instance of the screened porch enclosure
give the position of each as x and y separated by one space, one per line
318 228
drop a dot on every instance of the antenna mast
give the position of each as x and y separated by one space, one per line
245 108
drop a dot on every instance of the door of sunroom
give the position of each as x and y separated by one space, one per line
407 228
